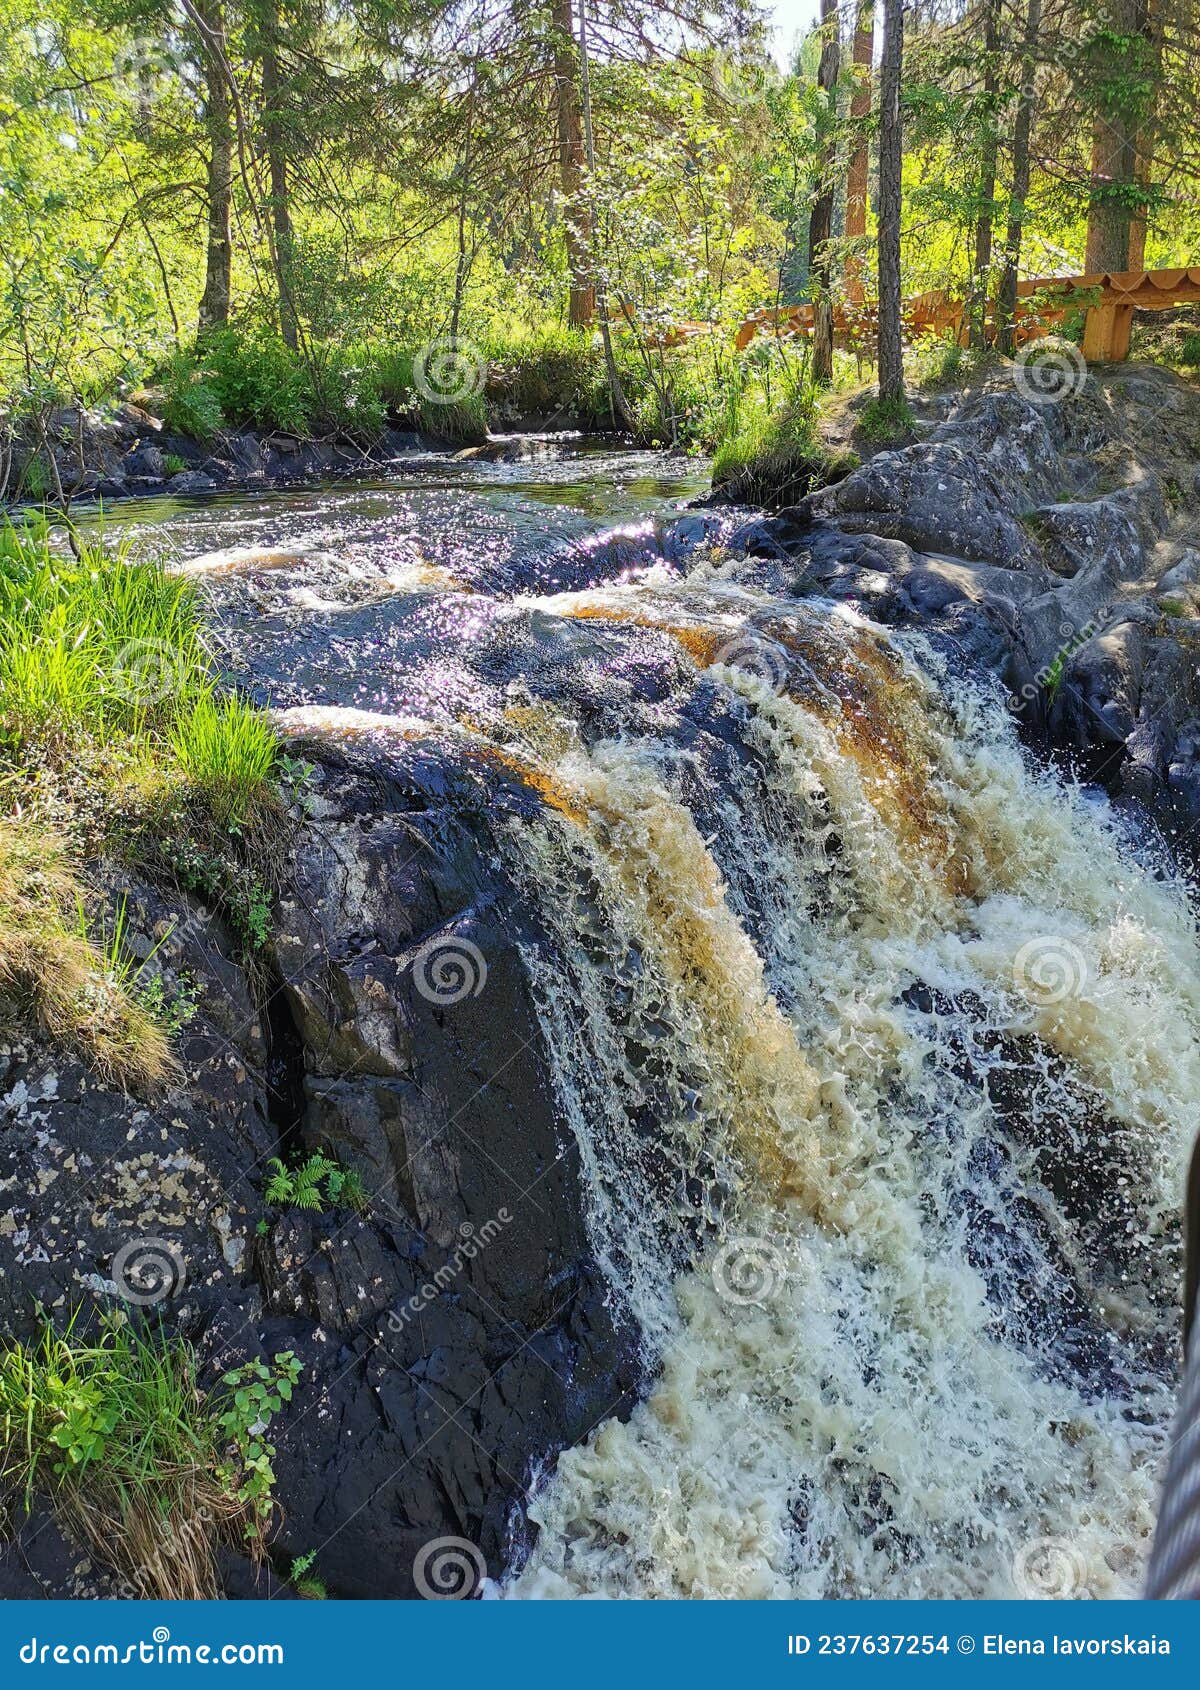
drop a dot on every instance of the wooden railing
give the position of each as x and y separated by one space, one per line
1108 300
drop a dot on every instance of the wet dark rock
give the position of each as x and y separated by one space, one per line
457 1333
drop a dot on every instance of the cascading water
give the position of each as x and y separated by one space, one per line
878 1047
882 1055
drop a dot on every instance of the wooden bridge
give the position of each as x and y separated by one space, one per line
1108 300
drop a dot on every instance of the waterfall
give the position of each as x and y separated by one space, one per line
879 1050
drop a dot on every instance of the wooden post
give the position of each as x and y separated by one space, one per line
1106 331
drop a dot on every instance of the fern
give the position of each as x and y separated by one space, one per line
314 1183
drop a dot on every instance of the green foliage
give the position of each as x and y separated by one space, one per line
885 422
258 380
315 1182
191 402
1190 351
227 751
777 457
307 1584
116 1431
253 1395
173 464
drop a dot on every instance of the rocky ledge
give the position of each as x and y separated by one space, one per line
1054 543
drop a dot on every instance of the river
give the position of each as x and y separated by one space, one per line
879 1043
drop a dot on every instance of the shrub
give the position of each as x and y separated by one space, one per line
258 379
150 1473
1190 351
191 401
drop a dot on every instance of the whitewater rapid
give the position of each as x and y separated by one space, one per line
879 1048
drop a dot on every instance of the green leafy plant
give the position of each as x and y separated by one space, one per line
148 1470
254 1394
307 1583
173 464
314 1183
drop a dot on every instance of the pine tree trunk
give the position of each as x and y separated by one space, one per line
1114 158
621 409
988 157
571 159
218 123
1006 303
891 153
820 226
276 145
863 54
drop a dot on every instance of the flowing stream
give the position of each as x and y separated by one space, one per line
879 1045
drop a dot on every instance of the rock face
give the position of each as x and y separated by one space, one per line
453 1336
1050 544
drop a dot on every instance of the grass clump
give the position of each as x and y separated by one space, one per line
80 994
145 1469
885 422
115 740
775 459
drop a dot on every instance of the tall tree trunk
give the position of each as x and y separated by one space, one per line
275 138
621 409
862 55
1006 303
571 158
1114 150
986 192
891 155
462 263
1151 29
820 224
218 123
